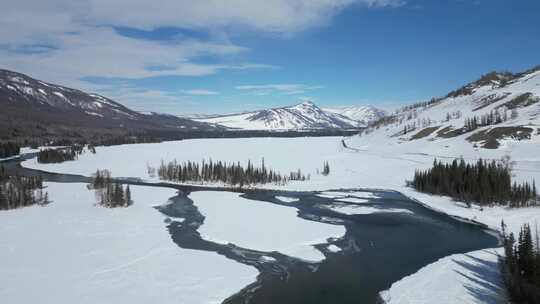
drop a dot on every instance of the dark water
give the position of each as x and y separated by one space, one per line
377 249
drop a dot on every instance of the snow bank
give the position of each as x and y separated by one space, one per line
74 252
261 226
459 278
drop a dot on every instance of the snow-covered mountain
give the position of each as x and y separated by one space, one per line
500 110
305 115
363 115
19 88
32 107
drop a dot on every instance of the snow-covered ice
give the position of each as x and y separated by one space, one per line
358 194
74 252
459 278
334 248
353 200
261 226
354 209
287 199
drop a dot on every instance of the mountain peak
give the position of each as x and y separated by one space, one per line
307 103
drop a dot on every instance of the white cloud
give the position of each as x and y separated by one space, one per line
283 16
151 100
101 52
67 40
200 92
285 89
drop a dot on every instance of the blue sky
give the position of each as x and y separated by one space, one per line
226 56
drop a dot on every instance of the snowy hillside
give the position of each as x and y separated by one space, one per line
363 115
497 110
305 115
32 108
15 87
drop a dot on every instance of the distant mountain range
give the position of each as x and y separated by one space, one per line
303 116
497 106
34 109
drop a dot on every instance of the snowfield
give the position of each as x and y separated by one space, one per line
74 252
368 161
262 226
373 161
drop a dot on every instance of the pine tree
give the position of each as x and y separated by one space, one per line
128 196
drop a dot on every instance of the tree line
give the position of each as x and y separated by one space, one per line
521 265
19 191
49 156
109 193
228 173
483 182
8 149
492 118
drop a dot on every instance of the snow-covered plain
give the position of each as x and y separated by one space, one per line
262 226
72 251
373 162
370 161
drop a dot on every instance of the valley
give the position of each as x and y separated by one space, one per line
353 164
270 152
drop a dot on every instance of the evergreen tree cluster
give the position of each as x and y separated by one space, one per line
492 118
521 265
228 173
101 179
109 193
453 115
19 191
484 182
408 128
326 168
8 149
422 104
48 156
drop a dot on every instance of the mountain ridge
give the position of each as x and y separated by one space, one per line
301 116
33 108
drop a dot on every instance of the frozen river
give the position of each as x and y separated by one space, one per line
342 246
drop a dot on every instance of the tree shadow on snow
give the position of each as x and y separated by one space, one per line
484 278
